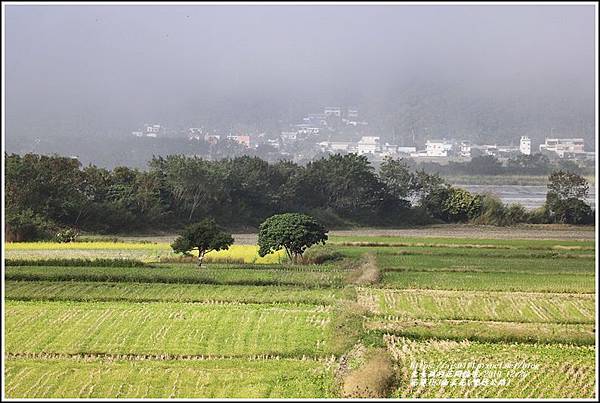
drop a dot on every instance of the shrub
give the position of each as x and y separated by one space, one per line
434 201
23 226
565 199
322 254
539 215
571 211
453 204
66 235
516 213
493 212
462 205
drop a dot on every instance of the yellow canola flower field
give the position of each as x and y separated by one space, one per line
249 254
148 251
86 246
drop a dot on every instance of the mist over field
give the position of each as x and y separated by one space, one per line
79 79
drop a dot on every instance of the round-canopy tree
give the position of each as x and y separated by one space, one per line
292 231
204 236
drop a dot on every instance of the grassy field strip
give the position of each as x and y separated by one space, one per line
149 292
539 271
488 253
461 242
144 251
485 264
86 246
165 328
495 306
179 275
432 253
529 370
487 331
103 357
486 281
167 379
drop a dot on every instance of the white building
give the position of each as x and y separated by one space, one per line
273 143
465 149
307 129
333 111
406 150
369 145
419 154
151 130
337 146
315 119
438 148
563 146
352 114
525 145
289 136
195 133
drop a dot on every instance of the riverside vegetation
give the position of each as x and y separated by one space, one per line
54 197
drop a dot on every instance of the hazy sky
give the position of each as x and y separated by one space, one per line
97 69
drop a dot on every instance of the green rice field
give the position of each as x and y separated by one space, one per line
455 317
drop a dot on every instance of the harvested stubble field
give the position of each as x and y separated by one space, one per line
267 329
236 378
495 370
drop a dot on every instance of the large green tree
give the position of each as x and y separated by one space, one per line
565 200
291 231
204 237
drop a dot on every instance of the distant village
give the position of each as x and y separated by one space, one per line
327 133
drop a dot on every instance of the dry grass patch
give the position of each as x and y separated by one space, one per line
366 273
374 379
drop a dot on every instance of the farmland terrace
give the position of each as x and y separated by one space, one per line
427 313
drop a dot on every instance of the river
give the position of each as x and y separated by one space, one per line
530 196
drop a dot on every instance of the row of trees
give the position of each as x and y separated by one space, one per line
44 193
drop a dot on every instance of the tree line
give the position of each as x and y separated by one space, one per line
45 194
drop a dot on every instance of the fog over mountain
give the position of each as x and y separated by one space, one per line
83 75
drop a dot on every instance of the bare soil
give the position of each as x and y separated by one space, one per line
533 231
529 231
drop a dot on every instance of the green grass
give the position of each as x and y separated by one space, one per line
554 370
164 328
487 306
76 262
437 242
486 264
26 378
185 274
243 330
482 281
480 252
487 331
152 292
